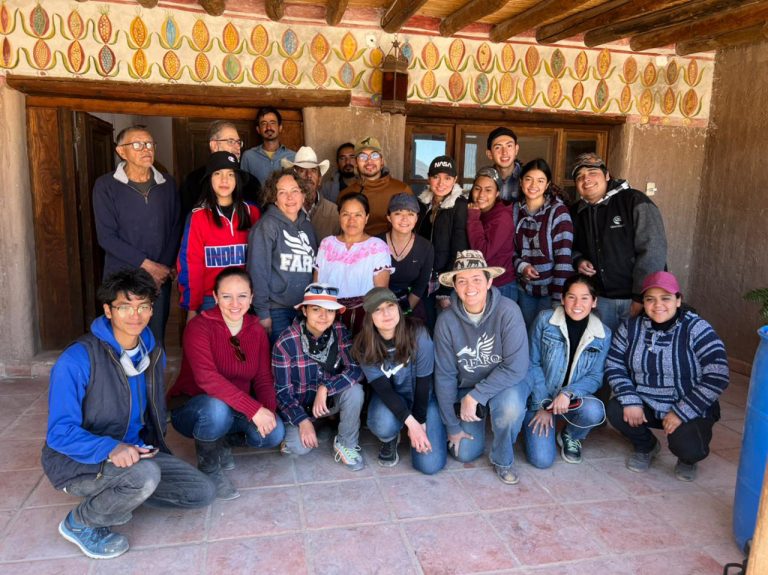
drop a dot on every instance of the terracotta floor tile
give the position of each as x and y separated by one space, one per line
20 454
489 493
607 566
716 472
724 437
262 470
736 394
34 534
730 411
464 544
343 503
5 518
13 405
628 526
151 527
426 496
365 550
724 495
28 426
659 478
160 561
15 486
702 518
46 494
23 386
72 566
603 443
678 561
182 447
561 478
730 455
281 555
724 553
319 465
404 466
542 535
39 405
736 424
256 512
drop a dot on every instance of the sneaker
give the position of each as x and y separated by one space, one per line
388 456
640 462
507 474
95 542
570 449
685 471
349 456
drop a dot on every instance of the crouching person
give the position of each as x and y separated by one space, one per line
481 360
107 421
315 377
398 360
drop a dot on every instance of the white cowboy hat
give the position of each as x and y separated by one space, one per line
306 158
469 260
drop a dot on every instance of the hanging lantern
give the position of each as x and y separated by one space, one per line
394 80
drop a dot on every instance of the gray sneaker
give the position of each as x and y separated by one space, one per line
507 474
95 542
640 462
349 456
685 471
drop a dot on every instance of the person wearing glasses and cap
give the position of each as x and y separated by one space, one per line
106 423
315 377
225 387
136 214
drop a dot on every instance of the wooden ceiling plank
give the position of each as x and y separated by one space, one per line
714 25
597 16
469 14
667 17
334 11
213 7
532 17
398 14
275 9
749 35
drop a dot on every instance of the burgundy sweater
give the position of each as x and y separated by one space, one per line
210 366
493 233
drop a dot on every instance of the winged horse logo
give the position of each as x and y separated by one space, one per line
480 356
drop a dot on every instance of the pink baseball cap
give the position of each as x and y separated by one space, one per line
663 280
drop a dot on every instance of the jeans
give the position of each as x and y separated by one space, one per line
507 410
162 481
541 449
689 442
160 310
282 317
384 425
509 290
208 419
613 312
349 404
531 305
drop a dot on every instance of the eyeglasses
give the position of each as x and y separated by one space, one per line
230 141
126 310
235 343
139 146
321 290
372 156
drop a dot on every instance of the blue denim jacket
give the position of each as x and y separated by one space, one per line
549 357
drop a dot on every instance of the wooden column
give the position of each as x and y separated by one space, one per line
758 554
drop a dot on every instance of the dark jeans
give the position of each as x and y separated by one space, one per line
163 481
160 310
689 442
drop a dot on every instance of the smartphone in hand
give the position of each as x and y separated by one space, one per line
149 454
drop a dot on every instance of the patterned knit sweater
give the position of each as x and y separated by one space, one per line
683 369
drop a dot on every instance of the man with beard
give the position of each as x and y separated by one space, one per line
345 173
264 159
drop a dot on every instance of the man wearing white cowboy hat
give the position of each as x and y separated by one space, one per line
315 376
481 359
322 214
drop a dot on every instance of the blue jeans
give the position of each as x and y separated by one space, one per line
384 425
541 449
161 308
613 312
509 290
507 409
282 317
206 418
531 305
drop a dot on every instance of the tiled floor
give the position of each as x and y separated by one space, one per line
312 516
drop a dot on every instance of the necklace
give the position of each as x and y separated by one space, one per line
399 254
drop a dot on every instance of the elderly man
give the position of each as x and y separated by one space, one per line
265 158
481 360
619 239
376 183
322 214
502 151
136 212
106 423
345 172
222 137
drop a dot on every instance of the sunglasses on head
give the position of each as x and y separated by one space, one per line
321 290
235 343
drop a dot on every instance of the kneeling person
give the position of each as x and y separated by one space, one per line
105 439
481 360
315 377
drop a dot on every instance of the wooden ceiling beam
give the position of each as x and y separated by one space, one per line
147 3
532 17
469 14
720 23
597 16
275 9
334 11
213 7
667 17
398 14
750 35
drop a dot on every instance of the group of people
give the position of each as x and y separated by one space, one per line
309 313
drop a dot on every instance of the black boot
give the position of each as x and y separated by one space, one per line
208 461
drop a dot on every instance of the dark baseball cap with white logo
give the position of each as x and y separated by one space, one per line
442 165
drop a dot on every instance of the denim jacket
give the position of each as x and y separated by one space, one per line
549 357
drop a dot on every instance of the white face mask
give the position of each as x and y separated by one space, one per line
130 369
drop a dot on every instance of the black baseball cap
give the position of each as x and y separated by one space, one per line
442 165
